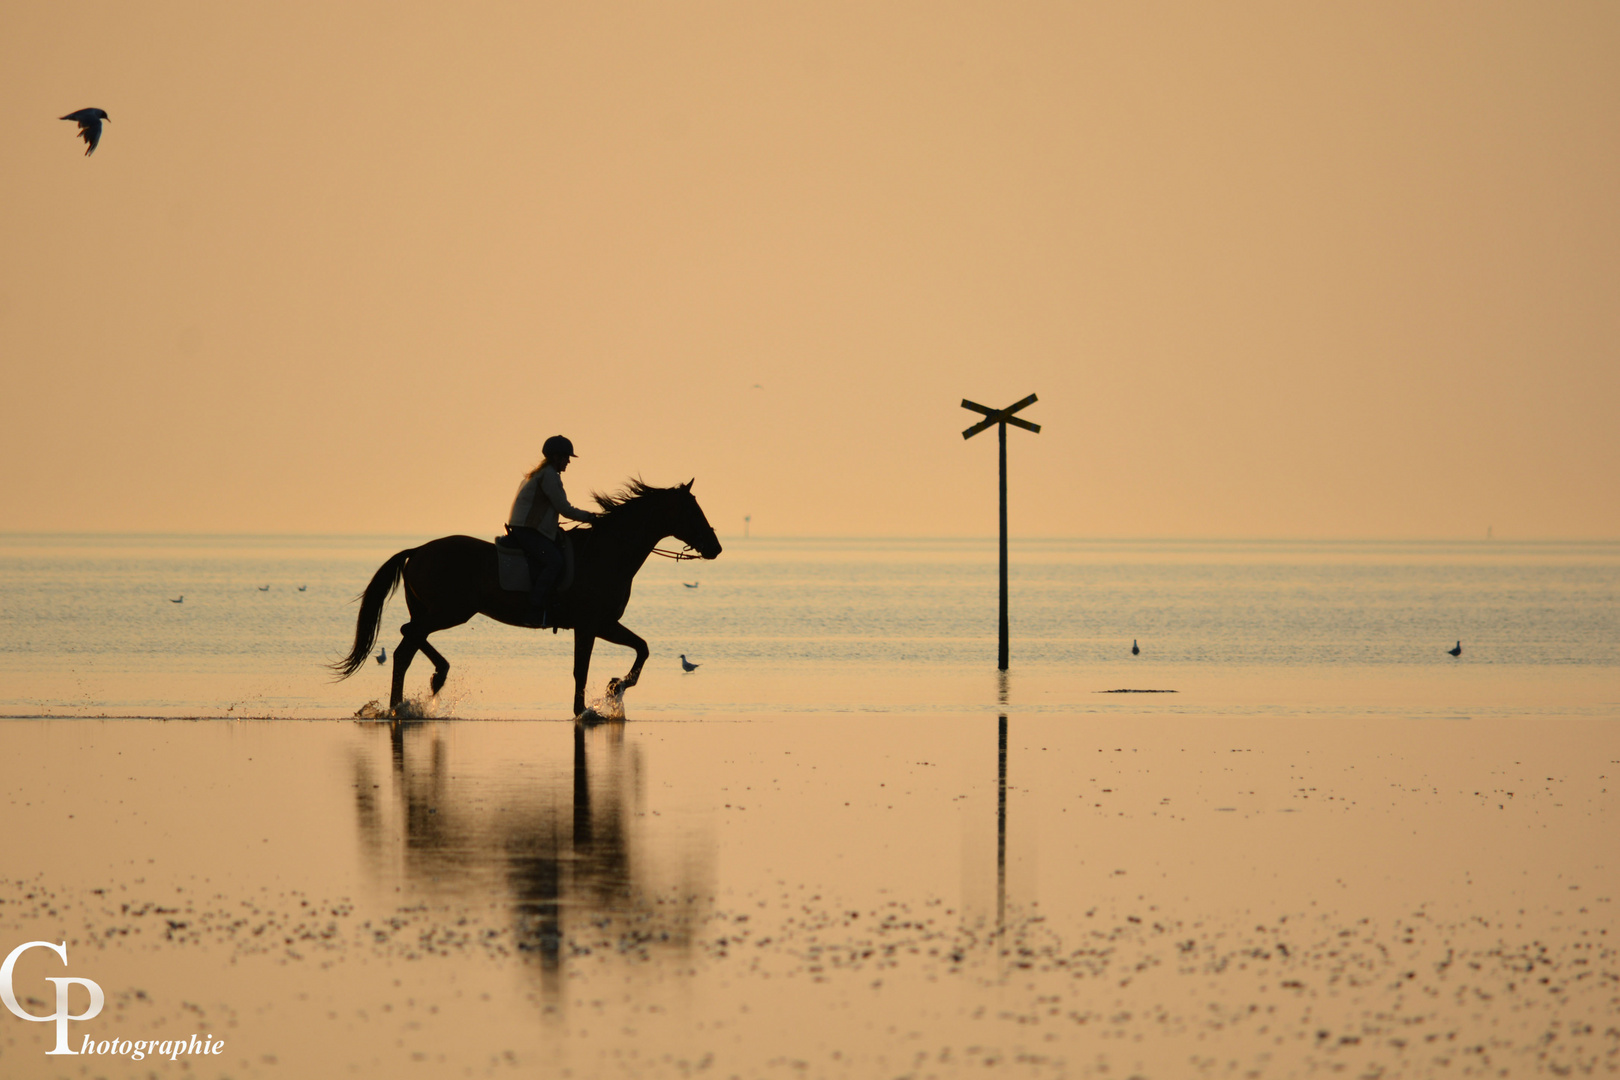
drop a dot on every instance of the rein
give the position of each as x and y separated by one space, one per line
678 556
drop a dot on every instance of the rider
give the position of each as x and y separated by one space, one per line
533 521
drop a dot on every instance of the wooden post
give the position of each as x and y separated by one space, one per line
1001 418
1001 651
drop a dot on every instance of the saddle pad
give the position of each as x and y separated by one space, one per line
513 567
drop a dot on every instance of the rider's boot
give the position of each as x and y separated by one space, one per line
536 615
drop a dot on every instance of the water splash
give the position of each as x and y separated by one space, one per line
610 706
422 707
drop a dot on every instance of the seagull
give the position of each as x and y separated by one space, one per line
1135 651
1455 651
303 588
264 588
687 665
89 126
179 599
382 653
690 584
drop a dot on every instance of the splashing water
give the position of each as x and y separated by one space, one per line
610 706
422 707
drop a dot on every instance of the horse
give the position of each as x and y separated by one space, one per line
449 580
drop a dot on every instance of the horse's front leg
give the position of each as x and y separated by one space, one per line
619 634
584 642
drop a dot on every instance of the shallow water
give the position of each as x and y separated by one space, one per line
897 626
843 846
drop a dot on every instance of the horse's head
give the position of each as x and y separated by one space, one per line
691 527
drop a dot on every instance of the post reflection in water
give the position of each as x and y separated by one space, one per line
1002 689
552 842
1001 824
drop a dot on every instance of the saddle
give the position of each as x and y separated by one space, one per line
514 570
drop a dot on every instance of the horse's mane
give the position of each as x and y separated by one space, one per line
622 504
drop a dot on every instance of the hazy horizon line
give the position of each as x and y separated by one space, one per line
6 534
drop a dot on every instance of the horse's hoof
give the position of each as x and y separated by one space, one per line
437 682
615 687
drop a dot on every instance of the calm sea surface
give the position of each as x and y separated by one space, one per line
843 847
89 628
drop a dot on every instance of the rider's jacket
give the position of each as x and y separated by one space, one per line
540 499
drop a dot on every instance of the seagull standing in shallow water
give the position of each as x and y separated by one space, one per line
179 599
382 653
89 126
687 665
1455 651
1134 650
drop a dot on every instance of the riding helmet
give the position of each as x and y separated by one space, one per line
558 448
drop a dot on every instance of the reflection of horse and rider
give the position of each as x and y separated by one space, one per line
570 852
449 580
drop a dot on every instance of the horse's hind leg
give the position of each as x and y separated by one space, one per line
403 655
441 666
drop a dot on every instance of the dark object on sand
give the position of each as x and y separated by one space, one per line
1455 651
451 579
382 654
179 599
1135 691
89 121
1134 650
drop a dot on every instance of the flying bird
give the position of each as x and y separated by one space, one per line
89 121
687 665
382 653
1455 650
1135 651
179 599
264 588
690 584
303 588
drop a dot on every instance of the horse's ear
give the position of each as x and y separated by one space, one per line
687 487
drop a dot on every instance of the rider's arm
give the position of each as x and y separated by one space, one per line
551 486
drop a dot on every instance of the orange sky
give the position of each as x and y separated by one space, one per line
1274 270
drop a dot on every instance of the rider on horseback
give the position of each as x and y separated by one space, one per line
533 521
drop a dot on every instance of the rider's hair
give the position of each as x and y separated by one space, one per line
544 461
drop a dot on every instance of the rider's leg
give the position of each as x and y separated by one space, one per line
545 563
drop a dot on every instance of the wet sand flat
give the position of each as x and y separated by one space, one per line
820 895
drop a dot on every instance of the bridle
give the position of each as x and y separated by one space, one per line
689 553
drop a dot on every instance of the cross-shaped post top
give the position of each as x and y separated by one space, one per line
999 416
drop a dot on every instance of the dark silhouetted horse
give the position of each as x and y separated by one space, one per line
449 580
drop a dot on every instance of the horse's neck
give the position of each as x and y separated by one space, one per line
634 545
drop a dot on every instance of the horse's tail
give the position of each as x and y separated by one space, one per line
383 584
